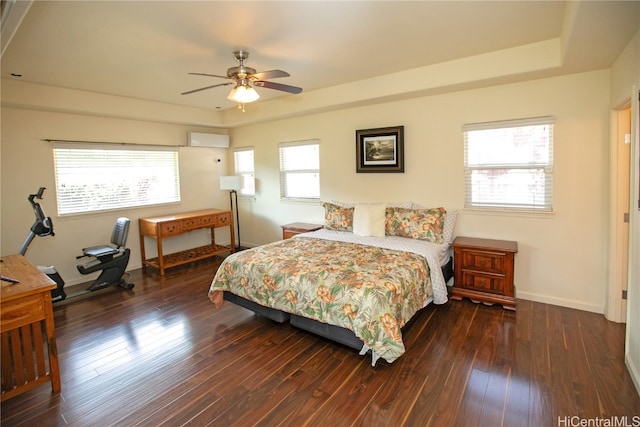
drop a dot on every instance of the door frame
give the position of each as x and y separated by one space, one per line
619 204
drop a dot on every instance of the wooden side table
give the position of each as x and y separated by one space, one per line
24 307
484 270
290 230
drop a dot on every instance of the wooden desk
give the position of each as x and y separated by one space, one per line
161 227
25 308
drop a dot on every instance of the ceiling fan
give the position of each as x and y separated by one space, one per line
245 79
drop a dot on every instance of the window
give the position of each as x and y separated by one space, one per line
103 177
509 164
243 161
300 170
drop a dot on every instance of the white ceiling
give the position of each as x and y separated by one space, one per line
146 49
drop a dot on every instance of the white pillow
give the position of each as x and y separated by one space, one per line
369 219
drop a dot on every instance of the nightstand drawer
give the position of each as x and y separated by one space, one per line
483 282
290 230
488 262
287 234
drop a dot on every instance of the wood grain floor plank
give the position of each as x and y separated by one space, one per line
541 405
164 355
296 408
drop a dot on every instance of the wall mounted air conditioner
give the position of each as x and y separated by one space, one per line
212 140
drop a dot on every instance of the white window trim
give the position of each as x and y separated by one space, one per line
283 197
547 208
245 176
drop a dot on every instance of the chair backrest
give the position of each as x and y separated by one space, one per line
120 232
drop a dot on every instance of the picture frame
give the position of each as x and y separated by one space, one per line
380 150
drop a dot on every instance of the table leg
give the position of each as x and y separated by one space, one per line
51 341
143 255
160 257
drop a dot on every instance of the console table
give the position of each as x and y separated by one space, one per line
25 307
161 227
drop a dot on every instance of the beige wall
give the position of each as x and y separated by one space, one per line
27 164
562 256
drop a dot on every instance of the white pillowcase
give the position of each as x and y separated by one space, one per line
449 225
369 219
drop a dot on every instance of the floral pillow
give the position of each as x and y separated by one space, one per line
421 224
338 218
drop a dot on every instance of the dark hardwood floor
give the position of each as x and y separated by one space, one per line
163 355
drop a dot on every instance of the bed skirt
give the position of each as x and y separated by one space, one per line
334 333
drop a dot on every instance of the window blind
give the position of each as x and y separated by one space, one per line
300 169
97 177
509 164
244 167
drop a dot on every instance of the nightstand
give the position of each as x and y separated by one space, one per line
483 271
290 230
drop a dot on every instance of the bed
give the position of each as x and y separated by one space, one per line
357 281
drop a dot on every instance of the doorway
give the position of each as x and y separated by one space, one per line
620 162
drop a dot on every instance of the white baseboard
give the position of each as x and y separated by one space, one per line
561 302
633 371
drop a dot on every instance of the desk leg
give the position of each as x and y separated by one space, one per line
142 252
51 341
160 257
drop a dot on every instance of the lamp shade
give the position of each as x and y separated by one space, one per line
233 182
243 94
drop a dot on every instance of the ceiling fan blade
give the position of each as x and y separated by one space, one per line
278 86
209 75
271 74
205 88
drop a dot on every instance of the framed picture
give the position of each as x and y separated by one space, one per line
380 150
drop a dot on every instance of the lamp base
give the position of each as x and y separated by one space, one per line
233 194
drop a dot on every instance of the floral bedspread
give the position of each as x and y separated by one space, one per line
370 290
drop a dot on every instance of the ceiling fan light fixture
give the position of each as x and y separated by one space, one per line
243 94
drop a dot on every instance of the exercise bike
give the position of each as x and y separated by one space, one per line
111 261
